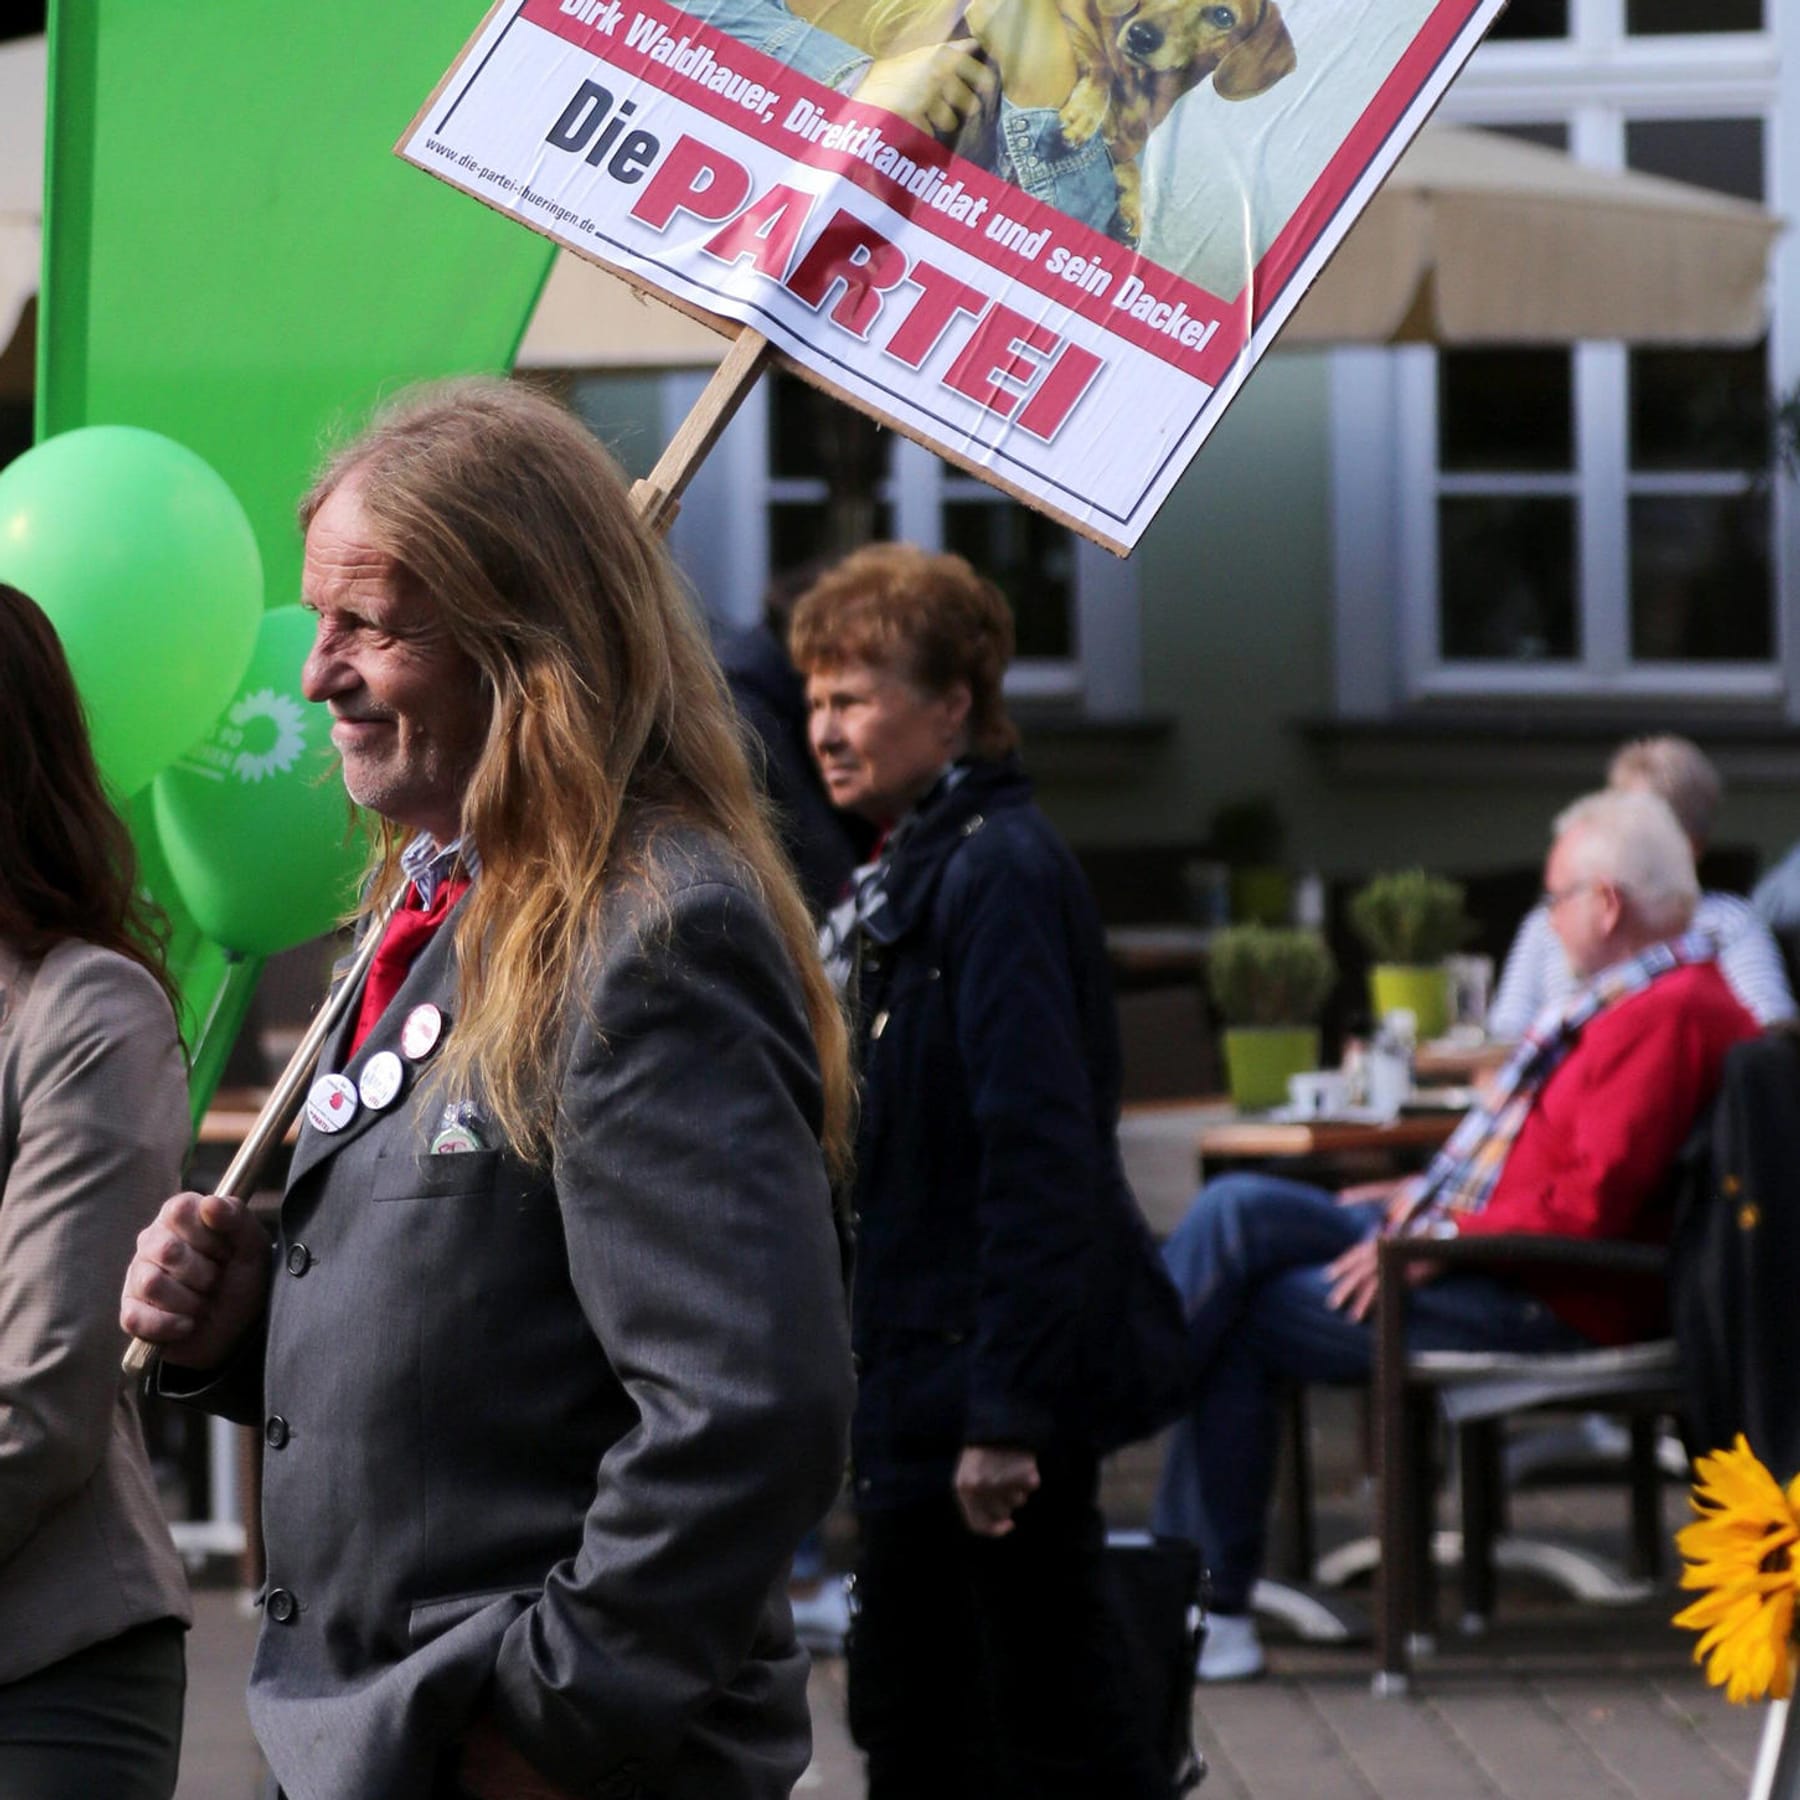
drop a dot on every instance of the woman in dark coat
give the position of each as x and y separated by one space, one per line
998 1246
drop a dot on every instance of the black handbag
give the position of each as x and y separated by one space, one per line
1155 1587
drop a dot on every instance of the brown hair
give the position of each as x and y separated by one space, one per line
609 718
930 618
67 867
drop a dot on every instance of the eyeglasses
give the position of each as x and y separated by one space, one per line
1551 900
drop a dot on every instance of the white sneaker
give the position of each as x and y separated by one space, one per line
1231 1649
822 1618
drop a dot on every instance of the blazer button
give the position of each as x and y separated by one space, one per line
281 1606
275 1432
299 1259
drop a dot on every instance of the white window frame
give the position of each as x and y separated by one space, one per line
1384 402
721 539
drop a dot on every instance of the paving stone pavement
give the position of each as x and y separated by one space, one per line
1562 1704
1559 1702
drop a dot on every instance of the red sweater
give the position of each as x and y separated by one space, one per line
1594 1155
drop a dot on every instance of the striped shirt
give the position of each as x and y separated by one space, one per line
1537 971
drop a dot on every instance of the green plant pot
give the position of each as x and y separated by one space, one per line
1423 991
1261 895
1260 1058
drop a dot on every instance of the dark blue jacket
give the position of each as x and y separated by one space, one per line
823 844
1006 1290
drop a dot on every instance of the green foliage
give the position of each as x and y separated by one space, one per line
1410 917
1263 976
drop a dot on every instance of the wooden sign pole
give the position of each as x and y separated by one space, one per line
285 1099
658 496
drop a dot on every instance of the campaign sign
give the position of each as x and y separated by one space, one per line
1049 238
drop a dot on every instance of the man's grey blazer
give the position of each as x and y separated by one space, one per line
93 1128
541 1443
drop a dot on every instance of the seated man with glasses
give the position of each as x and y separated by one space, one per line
1576 1137
1674 769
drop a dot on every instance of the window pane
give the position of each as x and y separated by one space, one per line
1699 409
1505 410
26 19
1507 579
1651 17
802 530
1532 19
1700 581
813 435
1033 561
1726 154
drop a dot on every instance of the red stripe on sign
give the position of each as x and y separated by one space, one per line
1178 305
1312 219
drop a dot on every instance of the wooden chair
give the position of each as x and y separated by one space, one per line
1477 1392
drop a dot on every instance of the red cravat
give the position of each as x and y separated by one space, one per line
408 932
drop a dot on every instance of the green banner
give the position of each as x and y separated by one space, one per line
233 256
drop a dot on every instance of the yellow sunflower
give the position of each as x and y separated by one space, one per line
1741 1549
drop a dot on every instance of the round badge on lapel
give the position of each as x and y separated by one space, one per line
419 1035
381 1080
331 1103
456 1140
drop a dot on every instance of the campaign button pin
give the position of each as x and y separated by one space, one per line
331 1103
453 1140
380 1080
419 1035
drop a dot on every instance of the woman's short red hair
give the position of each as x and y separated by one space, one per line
929 618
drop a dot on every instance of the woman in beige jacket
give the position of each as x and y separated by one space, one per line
93 1127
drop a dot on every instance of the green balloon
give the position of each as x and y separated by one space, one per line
253 820
148 568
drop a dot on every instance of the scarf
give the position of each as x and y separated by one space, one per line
1463 1175
867 897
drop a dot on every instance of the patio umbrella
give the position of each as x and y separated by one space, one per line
1480 238
589 318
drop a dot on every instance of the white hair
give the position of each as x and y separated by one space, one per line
1632 839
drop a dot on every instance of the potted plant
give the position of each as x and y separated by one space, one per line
1246 835
1269 986
1409 921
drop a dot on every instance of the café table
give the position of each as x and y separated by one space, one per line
227 1121
1441 1060
1148 955
1332 1151
1252 1136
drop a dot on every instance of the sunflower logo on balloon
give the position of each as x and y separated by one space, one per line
1741 1551
287 718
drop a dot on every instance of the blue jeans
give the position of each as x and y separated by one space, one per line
1250 1260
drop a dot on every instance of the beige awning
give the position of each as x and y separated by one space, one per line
1480 238
589 318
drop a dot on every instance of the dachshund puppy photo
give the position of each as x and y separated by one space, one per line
1133 60
1136 58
